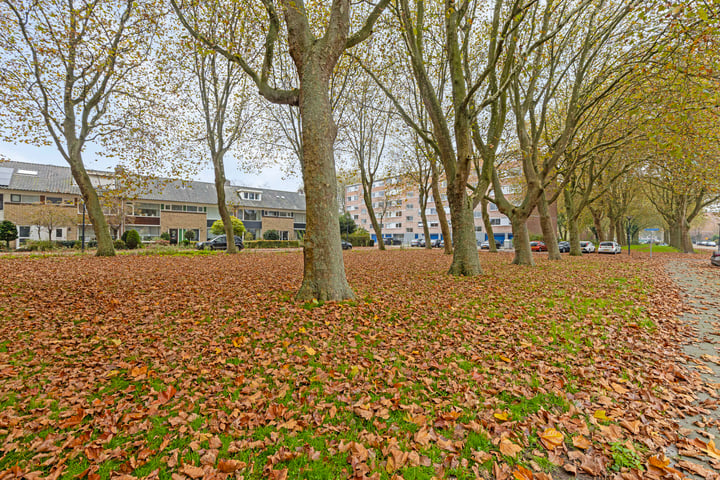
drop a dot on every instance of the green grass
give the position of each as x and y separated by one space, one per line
655 249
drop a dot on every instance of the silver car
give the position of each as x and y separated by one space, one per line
609 247
587 247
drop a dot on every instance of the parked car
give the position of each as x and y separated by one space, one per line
587 247
220 243
392 241
346 245
437 243
538 246
416 242
715 258
486 245
564 247
609 247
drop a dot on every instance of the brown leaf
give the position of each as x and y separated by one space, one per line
581 442
509 448
551 438
192 471
230 466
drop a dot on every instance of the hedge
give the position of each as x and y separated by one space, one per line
272 244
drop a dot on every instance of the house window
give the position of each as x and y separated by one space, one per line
192 208
477 214
409 219
14 198
147 210
24 232
250 195
381 193
284 235
356 217
492 207
176 208
409 230
53 200
494 221
434 224
409 206
1 201
478 228
250 215
58 232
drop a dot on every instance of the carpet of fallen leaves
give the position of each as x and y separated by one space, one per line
205 367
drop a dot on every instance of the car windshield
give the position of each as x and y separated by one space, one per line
606 244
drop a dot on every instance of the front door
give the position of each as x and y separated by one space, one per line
173 236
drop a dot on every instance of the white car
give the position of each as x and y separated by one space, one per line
609 247
587 247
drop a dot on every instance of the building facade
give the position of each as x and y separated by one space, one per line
31 191
396 203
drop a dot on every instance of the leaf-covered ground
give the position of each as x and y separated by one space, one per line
206 367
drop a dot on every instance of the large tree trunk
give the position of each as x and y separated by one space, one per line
105 246
440 208
548 229
219 167
521 240
324 271
620 232
367 198
465 258
488 225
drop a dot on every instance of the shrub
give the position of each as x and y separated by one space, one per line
132 239
249 236
119 244
165 236
361 238
536 238
271 235
8 232
41 246
190 235
162 242
185 243
272 244
218 228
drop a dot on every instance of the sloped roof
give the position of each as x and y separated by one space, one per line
56 179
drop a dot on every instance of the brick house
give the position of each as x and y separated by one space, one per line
168 206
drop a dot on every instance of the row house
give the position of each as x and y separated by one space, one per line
28 190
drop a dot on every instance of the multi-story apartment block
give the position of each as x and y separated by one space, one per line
396 203
169 206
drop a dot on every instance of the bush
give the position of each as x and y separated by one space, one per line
165 236
185 243
536 238
218 228
190 235
119 244
162 242
249 236
271 235
132 239
41 246
361 238
8 232
272 244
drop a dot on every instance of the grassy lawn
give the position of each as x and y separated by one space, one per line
204 364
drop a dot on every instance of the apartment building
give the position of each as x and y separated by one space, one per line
171 206
396 202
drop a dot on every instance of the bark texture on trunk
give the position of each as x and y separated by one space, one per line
572 219
324 270
548 229
597 222
466 260
105 246
423 217
521 240
488 226
219 167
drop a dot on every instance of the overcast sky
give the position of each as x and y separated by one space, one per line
271 177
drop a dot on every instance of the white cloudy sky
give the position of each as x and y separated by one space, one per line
270 177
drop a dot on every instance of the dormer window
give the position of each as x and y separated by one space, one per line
250 195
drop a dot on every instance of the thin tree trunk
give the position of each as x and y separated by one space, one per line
219 166
324 270
548 229
105 246
521 240
488 225
572 220
423 216
439 207
367 198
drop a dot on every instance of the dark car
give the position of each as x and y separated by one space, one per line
346 245
220 243
564 247
715 258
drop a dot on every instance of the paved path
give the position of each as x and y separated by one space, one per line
700 284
